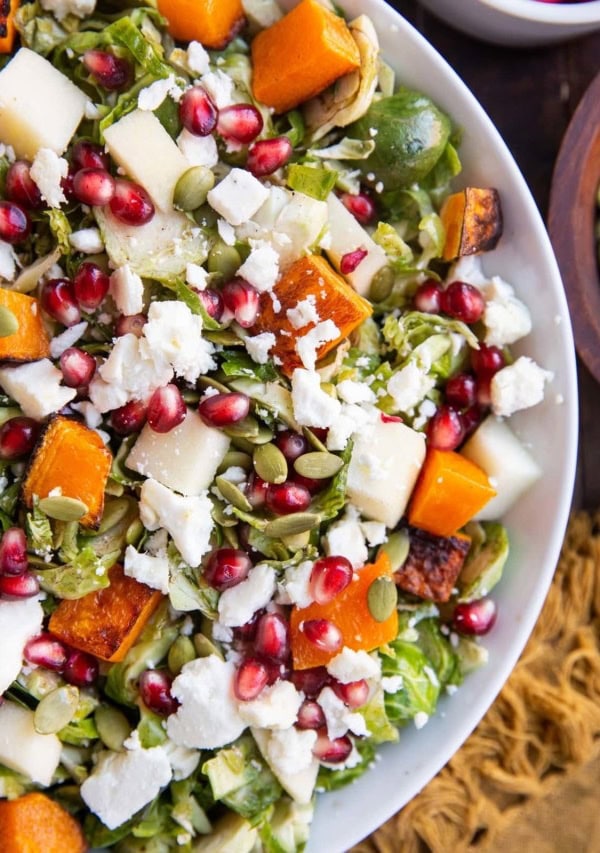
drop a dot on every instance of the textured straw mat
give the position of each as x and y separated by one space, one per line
528 778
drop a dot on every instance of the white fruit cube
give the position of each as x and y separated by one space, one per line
386 460
25 750
39 106
142 147
19 621
302 221
346 235
510 468
185 459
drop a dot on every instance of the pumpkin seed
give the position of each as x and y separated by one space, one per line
63 508
233 494
235 459
265 435
181 652
381 285
223 337
382 598
297 542
113 488
313 440
291 525
220 518
270 464
190 397
248 428
230 538
397 548
244 445
205 647
114 512
56 710
209 382
9 412
113 726
318 465
192 188
224 259
134 532
9 324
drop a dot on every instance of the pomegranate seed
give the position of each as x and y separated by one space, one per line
445 430
13 552
81 669
129 418
272 638
224 409
227 567
291 444
46 650
58 300
166 409
17 437
19 586
66 185
309 483
332 751
268 155
471 418
250 679
89 155
131 203
242 300
256 491
284 498
93 186
14 222
311 681
212 302
391 419
239 123
109 71
246 633
361 206
463 302
310 715
90 286
21 187
197 112
77 367
474 617
484 390
428 297
329 576
487 359
355 693
276 670
130 325
461 390
155 690
323 634
351 260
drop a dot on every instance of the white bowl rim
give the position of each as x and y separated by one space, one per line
558 14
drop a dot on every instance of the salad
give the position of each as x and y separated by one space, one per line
253 424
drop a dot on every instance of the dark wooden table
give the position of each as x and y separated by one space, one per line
530 94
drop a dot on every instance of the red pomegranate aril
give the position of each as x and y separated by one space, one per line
14 222
445 430
311 681
90 286
155 690
256 491
272 637
129 418
243 634
428 297
81 669
310 715
131 203
287 497
474 617
487 360
309 483
89 155
221 410
93 186
58 300
77 367
19 586
197 112
484 390
242 300
291 444
212 302
463 302
251 678
323 634
329 576
13 552
166 409
471 418
46 650
268 155
361 206
17 437
227 567
391 419
109 71
66 185
332 750
239 123
21 187
130 325
355 694
350 261
461 390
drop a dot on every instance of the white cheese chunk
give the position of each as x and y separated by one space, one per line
295 586
518 386
258 347
351 391
312 406
187 519
19 621
289 755
67 339
196 276
346 234
175 335
276 707
339 718
36 388
25 750
61 8
304 312
308 344
506 318
90 413
238 604
153 570
299 225
238 196
409 386
183 760
8 262
151 97
220 88
374 532
198 59
350 665
47 171
344 538
261 267
87 240
127 289
198 150
133 370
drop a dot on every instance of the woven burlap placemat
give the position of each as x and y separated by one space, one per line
529 775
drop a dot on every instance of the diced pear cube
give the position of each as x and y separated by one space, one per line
185 459
25 750
145 151
19 620
346 235
39 106
386 460
299 785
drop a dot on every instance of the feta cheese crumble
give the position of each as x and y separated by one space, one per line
153 570
339 718
47 172
238 604
88 241
261 267
518 386
188 519
259 346
276 707
313 407
238 196
350 665
36 387
127 290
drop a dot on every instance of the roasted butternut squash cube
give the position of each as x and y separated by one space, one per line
73 458
8 10
331 297
106 623
211 22
30 341
432 565
36 824
473 222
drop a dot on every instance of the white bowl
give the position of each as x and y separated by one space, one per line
536 525
519 23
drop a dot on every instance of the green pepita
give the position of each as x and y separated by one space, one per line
270 464
382 598
313 440
9 324
230 538
223 337
265 435
205 647
56 710
224 259
181 652
291 525
63 508
381 285
209 382
318 465
233 494
134 532
397 548
221 518
192 188
248 428
113 726
190 397
235 459
297 542
113 488
114 512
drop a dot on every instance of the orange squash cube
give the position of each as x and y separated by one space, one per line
472 219
30 341
36 824
7 25
211 22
